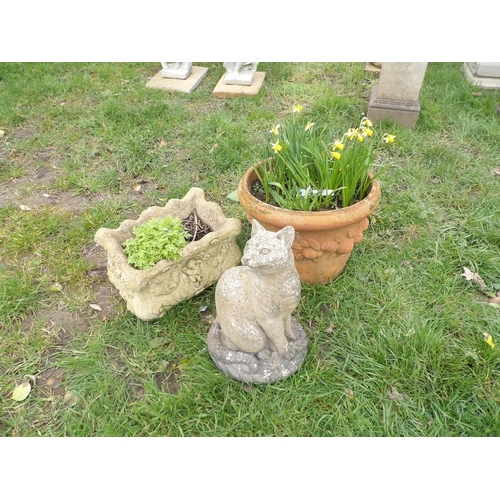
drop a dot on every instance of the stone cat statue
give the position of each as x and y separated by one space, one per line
255 338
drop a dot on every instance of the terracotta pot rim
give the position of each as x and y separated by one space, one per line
303 220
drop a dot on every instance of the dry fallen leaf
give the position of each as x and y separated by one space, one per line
349 393
137 186
56 287
70 399
495 299
330 329
2 132
496 171
395 395
24 207
95 307
21 392
469 275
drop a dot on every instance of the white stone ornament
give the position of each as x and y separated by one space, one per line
240 73
179 70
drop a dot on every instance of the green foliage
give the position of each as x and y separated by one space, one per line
313 169
155 240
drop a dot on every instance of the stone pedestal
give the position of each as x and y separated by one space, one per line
483 74
187 85
396 96
223 89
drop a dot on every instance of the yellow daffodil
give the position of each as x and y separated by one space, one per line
334 154
338 145
351 133
360 137
366 122
275 130
297 108
367 131
489 340
309 126
277 146
388 138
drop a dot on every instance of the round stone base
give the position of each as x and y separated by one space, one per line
265 367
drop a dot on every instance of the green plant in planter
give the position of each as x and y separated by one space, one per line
313 169
155 240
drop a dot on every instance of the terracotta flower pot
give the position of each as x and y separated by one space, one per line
323 240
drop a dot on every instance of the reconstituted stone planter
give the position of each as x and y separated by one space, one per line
323 240
150 293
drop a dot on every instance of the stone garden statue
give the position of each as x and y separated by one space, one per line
255 338
240 73
180 70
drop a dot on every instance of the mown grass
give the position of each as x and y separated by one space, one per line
396 345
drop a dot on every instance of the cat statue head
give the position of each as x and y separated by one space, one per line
268 250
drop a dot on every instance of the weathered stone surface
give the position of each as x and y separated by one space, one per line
483 74
180 70
223 90
396 96
240 73
188 85
255 338
150 293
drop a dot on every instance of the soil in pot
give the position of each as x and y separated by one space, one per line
195 227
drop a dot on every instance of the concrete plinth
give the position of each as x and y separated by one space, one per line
483 74
188 85
222 89
404 113
396 95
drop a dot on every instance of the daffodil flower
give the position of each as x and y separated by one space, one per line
309 126
351 133
360 137
297 108
367 131
338 145
388 138
366 122
275 130
334 154
489 340
276 146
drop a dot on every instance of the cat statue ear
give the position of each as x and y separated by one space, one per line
287 234
256 227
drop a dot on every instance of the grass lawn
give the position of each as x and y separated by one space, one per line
396 344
